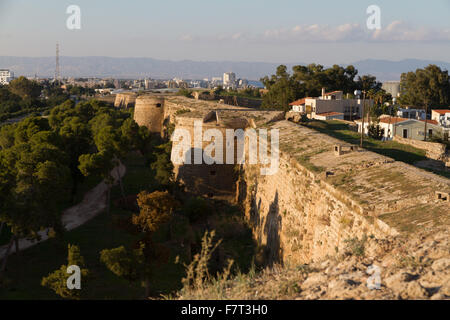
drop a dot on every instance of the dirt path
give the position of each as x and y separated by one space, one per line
93 203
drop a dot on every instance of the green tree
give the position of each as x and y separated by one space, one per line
375 131
37 174
24 88
57 280
306 81
156 208
425 87
124 263
281 90
163 166
368 82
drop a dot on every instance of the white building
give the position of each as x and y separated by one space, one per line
410 113
402 127
386 123
6 76
392 87
229 79
331 105
243 83
442 116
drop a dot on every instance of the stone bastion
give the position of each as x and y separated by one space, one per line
318 199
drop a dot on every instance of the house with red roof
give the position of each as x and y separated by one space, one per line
442 116
405 128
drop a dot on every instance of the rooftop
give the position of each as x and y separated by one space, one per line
430 121
441 111
300 101
333 92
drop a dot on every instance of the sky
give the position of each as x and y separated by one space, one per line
281 31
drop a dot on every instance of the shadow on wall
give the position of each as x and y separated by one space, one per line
210 180
270 253
272 232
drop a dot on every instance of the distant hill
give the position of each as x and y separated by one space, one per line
386 70
187 69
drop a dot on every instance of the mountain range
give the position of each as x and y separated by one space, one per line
135 68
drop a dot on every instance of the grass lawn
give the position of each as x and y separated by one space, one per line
392 149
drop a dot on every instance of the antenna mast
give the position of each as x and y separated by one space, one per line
57 71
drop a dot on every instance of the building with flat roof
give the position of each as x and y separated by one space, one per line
331 104
405 128
392 87
6 76
229 80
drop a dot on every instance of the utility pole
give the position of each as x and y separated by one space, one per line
426 113
362 124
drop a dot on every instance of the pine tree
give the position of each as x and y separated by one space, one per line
57 280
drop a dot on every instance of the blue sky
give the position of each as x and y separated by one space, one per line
240 30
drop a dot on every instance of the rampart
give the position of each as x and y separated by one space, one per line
318 200
125 100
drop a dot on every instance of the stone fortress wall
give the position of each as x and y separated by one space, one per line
125 100
149 112
318 199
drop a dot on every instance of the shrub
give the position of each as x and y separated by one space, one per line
375 131
356 246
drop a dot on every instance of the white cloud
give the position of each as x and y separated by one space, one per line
351 32
186 37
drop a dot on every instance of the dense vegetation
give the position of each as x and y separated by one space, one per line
23 96
42 161
428 87
308 81
424 87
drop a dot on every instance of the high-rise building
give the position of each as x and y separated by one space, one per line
229 79
6 76
392 87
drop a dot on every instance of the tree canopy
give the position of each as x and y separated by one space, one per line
309 80
425 87
57 280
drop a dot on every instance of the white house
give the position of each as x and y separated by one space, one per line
299 105
442 116
402 127
386 123
330 105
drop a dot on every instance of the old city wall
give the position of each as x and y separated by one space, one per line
317 201
125 100
298 217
